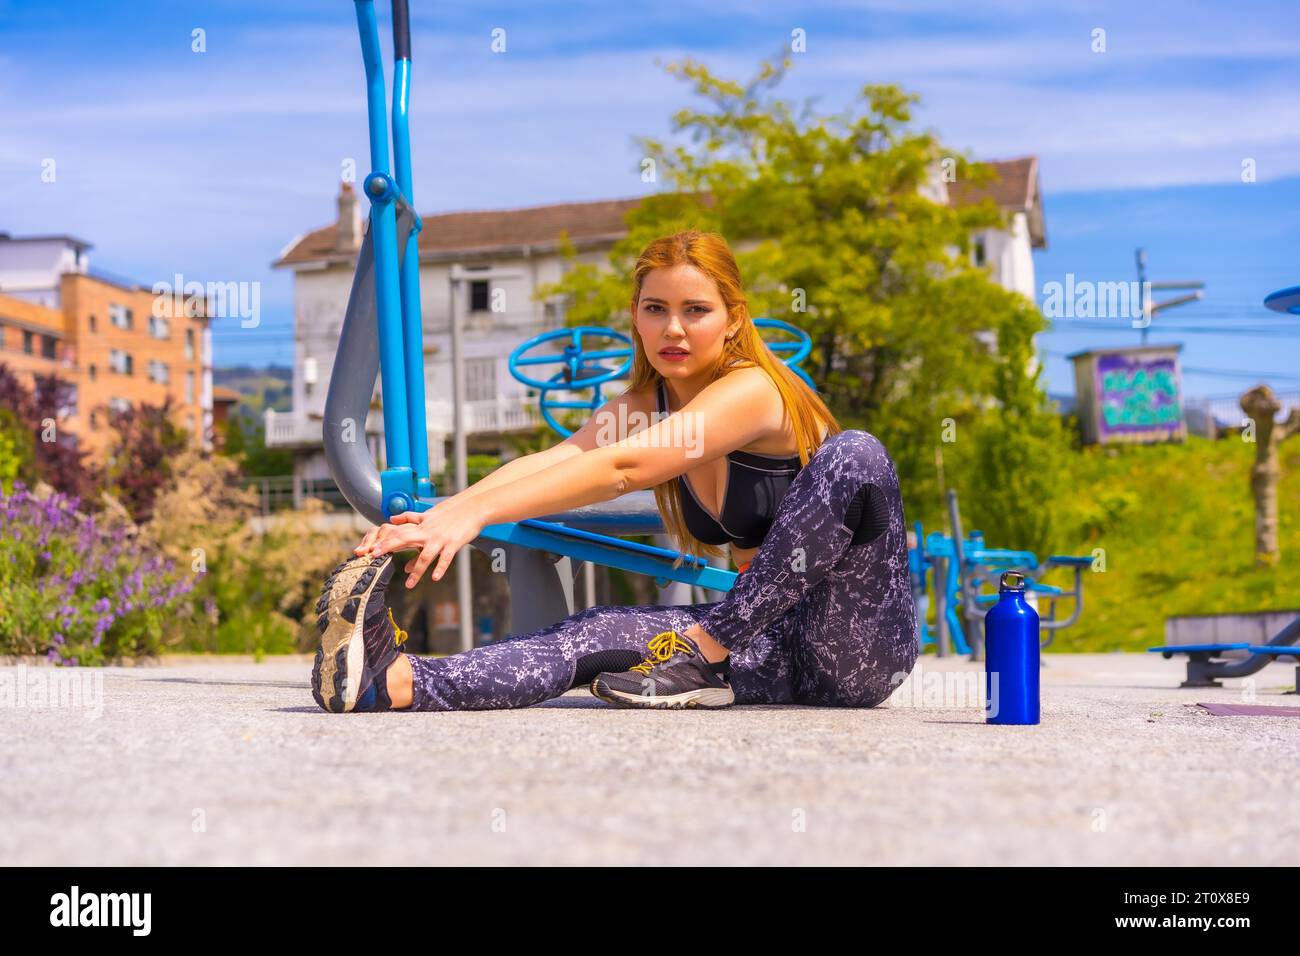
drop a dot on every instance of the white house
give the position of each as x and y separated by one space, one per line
508 254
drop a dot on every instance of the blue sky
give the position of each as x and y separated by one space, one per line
208 163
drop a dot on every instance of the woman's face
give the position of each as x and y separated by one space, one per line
680 311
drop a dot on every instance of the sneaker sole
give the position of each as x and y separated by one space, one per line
341 610
704 697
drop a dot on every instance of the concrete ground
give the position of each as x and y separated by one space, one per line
227 761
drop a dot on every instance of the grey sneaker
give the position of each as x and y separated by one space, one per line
359 637
674 675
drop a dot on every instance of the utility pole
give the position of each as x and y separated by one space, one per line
1150 308
464 592
458 275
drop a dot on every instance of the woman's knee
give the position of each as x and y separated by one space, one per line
857 453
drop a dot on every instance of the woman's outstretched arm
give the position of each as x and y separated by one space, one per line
619 410
727 414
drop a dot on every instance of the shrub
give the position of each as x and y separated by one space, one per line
77 591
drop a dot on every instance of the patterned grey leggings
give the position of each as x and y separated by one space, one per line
815 619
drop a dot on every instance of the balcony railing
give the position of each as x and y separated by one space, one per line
501 414
278 492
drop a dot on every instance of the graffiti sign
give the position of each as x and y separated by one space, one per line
1137 398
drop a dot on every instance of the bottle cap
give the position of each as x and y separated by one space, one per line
1014 580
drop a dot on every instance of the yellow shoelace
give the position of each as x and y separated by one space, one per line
662 647
401 634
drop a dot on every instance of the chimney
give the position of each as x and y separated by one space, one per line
347 233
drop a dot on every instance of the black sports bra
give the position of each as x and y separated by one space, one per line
756 483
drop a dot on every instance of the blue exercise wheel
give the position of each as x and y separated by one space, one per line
801 345
581 368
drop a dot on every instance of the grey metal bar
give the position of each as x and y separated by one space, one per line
352 382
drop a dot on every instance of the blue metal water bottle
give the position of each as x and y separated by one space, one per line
1011 655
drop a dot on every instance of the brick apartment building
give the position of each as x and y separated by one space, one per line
101 334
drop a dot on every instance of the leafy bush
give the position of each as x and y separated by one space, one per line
259 583
140 462
76 591
32 447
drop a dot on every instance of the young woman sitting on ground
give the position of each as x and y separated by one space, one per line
739 453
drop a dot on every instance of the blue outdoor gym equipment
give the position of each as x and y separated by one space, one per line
382 338
961 566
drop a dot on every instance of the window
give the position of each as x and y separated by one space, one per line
480 379
120 316
91 324
94 420
27 342
120 362
189 387
159 372
189 421
189 345
119 405
47 346
478 295
92 371
979 253
159 327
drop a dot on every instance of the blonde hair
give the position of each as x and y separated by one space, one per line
710 253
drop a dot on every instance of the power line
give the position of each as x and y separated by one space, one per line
1199 370
1084 326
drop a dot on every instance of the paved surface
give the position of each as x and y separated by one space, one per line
220 761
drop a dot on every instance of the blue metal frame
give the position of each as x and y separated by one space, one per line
397 288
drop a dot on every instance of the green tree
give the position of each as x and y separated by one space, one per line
148 441
17 452
1014 470
835 230
245 442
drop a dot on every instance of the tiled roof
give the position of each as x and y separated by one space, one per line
1012 189
459 233
1015 189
